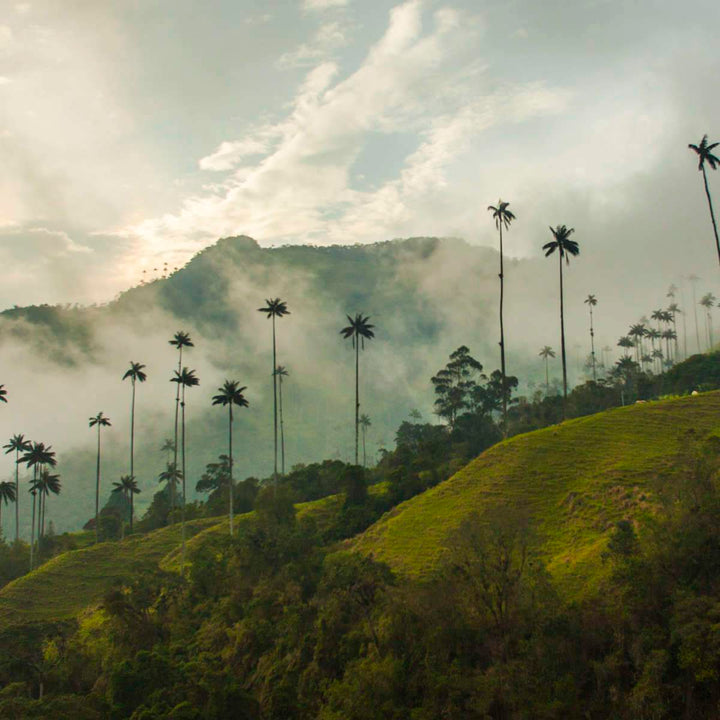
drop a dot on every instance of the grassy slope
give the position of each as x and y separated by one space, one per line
576 480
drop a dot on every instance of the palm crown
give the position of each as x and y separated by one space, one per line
3 394
590 300
281 371
230 394
547 352
705 154
186 378
562 243
7 492
708 300
126 485
181 339
39 454
47 483
17 443
501 214
136 372
172 475
99 420
274 308
359 328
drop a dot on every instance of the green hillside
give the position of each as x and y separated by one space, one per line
575 481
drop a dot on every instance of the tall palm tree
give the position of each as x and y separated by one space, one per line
693 280
129 488
626 343
185 379
546 353
275 308
365 423
565 248
136 373
591 302
673 309
180 340
637 331
46 484
99 421
281 372
228 395
708 302
168 447
37 457
669 335
502 217
7 495
17 444
358 330
172 476
705 154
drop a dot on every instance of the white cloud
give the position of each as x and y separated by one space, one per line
328 38
323 4
229 154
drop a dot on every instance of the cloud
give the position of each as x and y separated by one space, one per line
230 154
323 4
328 38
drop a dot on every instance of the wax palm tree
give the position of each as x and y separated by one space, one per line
180 341
637 332
168 447
275 308
185 379
546 353
693 279
281 372
228 395
565 248
626 342
129 488
171 476
503 217
708 302
46 484
705 155
364 424
358 330
99 421
591 302
669 335
7 495
137 374
37 457
17 444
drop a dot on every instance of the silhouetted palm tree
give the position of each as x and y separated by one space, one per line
358 330
185 379
17 444
591 302
705 155
708 302
7 495
693 280
281 372
168 447
228 395
669 335
136 374
129 488
626 343
637 331
37 457
502 217
275 308
546 353
365 423
171 476
46 484
565 248
180 340
99 421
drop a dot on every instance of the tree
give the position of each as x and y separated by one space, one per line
693 279
364 424
358 330
275 308
565 248
37 457
180 340
281 372
708 302
171 476
705 154
228 395
136 374
168 447
99 421
546 353
502 217
591 302
17 444
455 384
637 331
626 343
185 379
7 495
129 488
46 484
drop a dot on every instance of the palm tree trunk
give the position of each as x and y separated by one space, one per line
175 449
132 432
32 526
547 378
282 428
182 565
357 395
132 507
712 214
231 467
592 344
363 441
17 496
562 338
97 491
275 405
697 331
502 334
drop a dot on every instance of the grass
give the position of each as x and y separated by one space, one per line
575 481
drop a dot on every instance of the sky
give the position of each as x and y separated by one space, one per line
134 134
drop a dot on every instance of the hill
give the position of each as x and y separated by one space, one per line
575 481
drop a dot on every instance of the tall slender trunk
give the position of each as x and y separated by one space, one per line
502 334
182 520
712 214
132 435
0 518
17 496
697 331
32 525
132 509
175 449
275 404
282 427
357 395
231 467
97 491
363 441
562 337
592 344
547 378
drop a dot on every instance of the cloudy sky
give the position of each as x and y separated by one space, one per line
133 134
